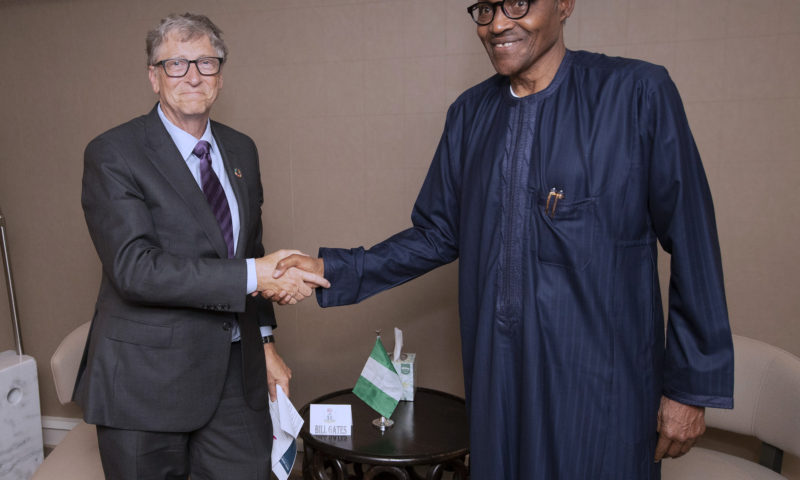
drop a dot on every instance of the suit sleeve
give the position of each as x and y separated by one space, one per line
119 217
698 366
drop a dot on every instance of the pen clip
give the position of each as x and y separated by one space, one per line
555 196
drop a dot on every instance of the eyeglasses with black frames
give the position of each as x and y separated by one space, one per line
178 67
483 12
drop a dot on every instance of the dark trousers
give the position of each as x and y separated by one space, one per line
234 445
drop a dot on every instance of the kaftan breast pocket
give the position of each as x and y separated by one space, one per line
564 229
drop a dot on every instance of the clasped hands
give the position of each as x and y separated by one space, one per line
289 276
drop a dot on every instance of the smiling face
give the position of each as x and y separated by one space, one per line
186 101
528 50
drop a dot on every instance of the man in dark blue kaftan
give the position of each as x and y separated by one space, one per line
552 187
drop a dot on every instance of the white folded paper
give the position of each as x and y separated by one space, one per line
404 365
398 343
286 425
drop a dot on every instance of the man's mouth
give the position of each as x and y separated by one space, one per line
500 45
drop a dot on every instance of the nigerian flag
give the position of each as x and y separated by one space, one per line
379 385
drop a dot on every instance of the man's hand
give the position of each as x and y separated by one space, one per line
277 371
290 288
303 262
292 265
679 427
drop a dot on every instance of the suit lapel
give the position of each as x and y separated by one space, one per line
229 158
166 158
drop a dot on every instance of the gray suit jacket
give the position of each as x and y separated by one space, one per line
158 349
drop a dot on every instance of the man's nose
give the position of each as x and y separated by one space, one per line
500 23
193 75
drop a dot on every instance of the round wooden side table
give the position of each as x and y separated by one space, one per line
430 434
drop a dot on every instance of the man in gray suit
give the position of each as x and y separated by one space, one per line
180 354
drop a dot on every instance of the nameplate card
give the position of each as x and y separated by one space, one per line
327 419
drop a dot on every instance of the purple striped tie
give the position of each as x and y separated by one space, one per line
214 193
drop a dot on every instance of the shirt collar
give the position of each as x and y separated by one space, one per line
183 140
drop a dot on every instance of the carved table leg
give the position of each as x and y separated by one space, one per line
315 467
412 472
434 472
308 460
396 472
339 469
459 468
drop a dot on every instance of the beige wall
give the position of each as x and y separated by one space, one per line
346 100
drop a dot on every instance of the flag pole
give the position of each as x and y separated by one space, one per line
382 423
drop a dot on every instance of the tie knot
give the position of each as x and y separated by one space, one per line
201 150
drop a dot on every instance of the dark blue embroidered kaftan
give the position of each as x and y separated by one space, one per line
561 319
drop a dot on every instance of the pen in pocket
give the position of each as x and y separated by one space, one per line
553 196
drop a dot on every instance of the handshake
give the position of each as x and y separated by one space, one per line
288 276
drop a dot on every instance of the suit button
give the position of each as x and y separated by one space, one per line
226 326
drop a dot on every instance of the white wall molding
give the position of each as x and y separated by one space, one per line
54 429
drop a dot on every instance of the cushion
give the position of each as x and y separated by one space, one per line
75 458
704 464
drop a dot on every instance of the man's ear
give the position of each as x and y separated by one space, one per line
152 74
565 8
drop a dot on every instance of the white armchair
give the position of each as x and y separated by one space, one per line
766 399
76 457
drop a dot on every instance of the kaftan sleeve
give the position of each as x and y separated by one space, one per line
698 364
358 273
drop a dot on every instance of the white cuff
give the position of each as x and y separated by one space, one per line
252 278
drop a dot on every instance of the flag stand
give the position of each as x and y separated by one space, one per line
382 423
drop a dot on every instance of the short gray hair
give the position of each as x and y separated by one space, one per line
188 26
